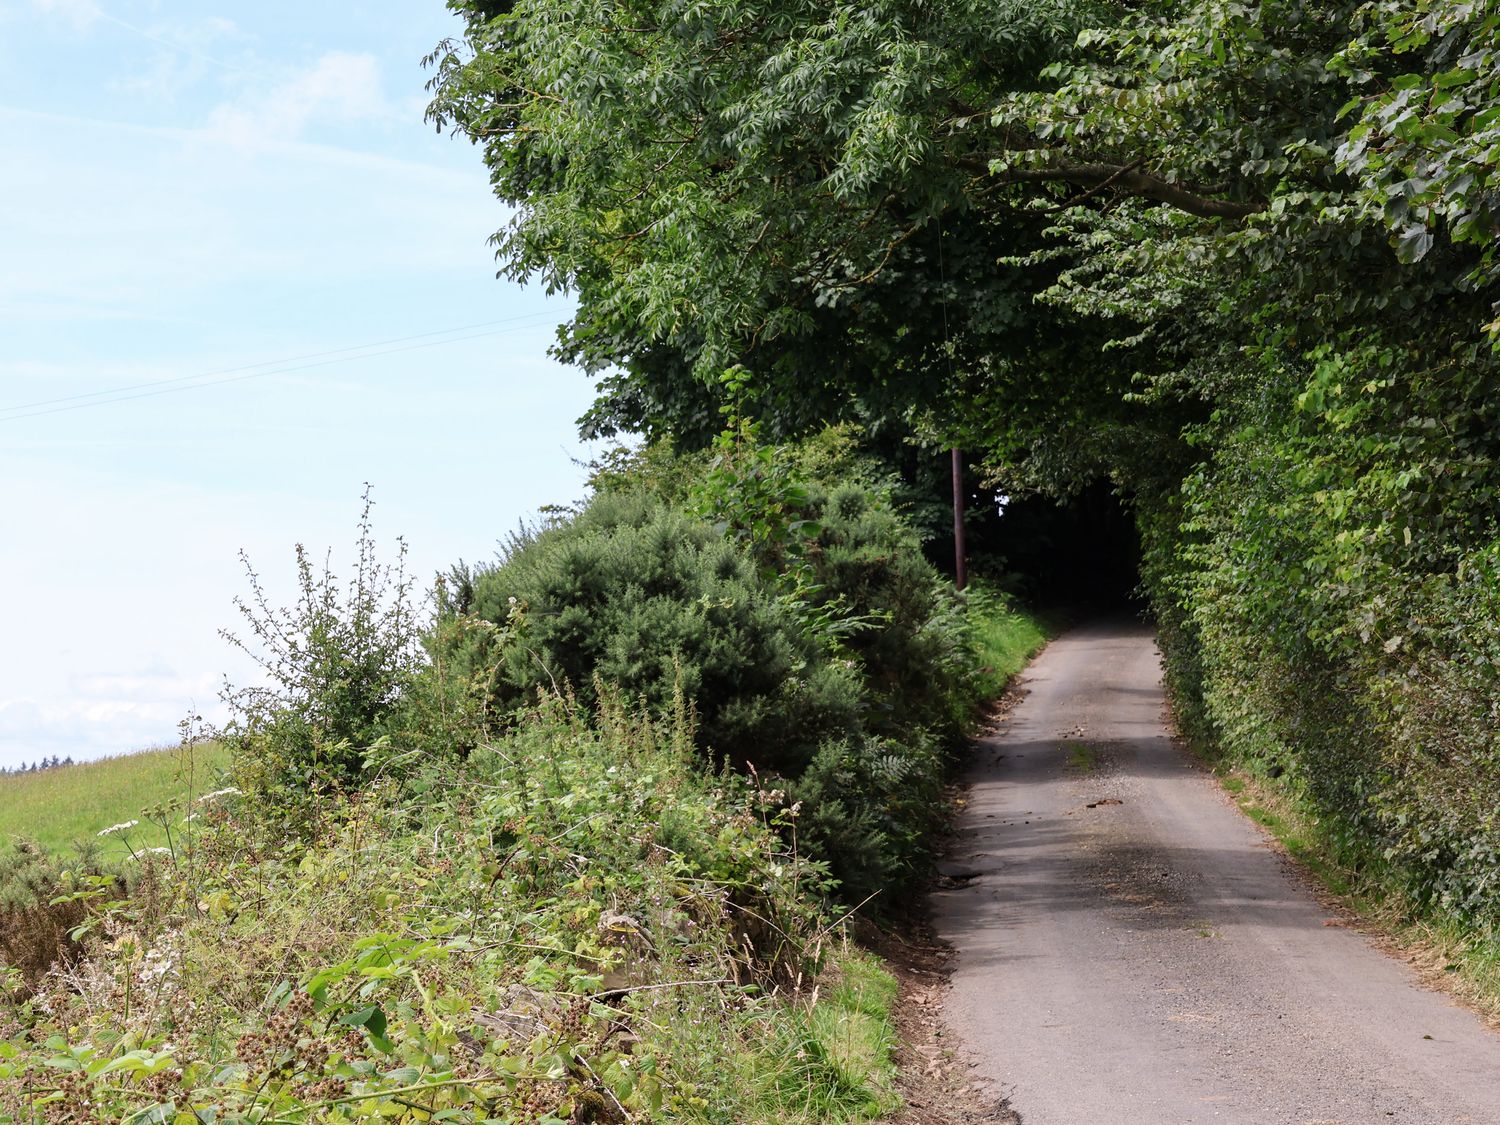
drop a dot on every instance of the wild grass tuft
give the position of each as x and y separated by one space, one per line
1003 635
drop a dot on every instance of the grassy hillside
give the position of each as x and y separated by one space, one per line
58 806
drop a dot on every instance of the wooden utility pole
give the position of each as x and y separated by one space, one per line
960 562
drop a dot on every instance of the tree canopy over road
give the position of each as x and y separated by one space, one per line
1236 258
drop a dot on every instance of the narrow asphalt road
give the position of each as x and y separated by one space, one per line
1131 951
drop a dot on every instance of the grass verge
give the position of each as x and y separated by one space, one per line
1005 637
855 1026
56 807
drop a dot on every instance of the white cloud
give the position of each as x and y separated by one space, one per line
81 13
186 41
103 715
340 87
191 51
150 684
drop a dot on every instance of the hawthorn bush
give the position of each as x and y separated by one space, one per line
338 667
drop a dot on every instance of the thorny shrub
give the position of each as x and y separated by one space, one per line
42 903
638 595
336 665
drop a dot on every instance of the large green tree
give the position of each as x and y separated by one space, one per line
803 188
1237 256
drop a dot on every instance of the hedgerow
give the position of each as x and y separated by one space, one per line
1330 615
797 618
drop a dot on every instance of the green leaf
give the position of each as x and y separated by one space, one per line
371 1018
1413 243
1451 78
157 1114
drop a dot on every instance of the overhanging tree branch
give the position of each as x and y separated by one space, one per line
1129 179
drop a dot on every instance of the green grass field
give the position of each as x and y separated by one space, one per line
58 806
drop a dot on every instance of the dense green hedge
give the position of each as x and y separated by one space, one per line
1331 614
826 654
639 596
773 598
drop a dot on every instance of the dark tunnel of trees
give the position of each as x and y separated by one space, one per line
1082 554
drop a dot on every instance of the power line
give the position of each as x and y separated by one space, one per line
182 48
262 374
26 406
161 387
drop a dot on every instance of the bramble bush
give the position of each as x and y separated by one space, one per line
796 620
573 924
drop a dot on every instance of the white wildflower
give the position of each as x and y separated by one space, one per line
113 828
158 963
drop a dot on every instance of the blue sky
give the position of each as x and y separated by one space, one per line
244 199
